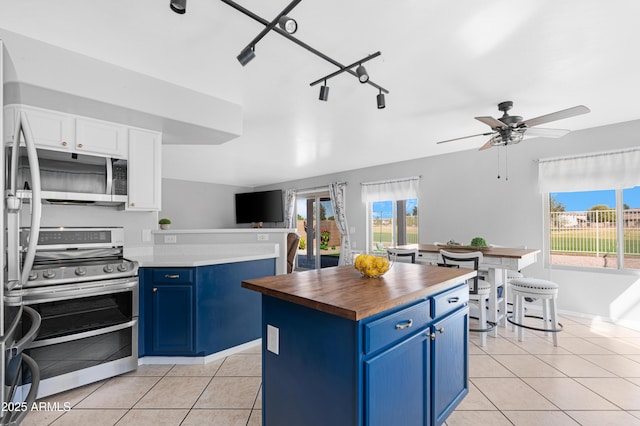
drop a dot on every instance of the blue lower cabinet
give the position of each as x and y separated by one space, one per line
199 311
396 384
173 319
450 363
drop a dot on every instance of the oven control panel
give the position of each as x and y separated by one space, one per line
42 275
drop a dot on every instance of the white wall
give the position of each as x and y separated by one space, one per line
460 198
197 205
133 222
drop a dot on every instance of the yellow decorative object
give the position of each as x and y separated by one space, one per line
371 266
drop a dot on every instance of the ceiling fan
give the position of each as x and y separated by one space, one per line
510 129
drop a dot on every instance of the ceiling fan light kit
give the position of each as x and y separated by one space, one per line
285 26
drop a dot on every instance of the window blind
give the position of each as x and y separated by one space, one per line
396 189
590 172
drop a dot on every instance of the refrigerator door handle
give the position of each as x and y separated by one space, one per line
16 417
30 335
36 201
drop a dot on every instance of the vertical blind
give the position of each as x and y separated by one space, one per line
393 190
590 172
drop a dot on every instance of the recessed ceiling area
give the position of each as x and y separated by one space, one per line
443 62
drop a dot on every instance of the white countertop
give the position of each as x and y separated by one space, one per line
190 255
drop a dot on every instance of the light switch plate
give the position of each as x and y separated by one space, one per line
170 239
273 339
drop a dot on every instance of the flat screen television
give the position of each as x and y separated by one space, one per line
261 206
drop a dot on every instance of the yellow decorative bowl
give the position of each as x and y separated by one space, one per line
371 266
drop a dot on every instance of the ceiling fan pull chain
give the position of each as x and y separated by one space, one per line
506 164
498 151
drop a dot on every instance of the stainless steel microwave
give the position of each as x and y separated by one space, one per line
71 178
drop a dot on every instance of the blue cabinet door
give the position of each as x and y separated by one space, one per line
172 319
397 384
450 363
228 314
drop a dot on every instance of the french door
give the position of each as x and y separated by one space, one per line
319 245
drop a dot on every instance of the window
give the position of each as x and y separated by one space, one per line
393 223
392 212
595 229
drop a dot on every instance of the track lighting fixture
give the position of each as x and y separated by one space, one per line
178 6
288 24
380 99
285 26
247 55
362 74
324 92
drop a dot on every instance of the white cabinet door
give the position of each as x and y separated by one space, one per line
144 170
101 137
50 129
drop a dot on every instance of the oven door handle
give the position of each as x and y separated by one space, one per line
30 335
83 335
52 294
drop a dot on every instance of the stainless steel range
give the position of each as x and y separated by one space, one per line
86 294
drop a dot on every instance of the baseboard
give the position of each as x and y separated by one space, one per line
147 360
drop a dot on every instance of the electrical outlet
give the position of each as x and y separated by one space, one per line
170 239
146 235
263 237
273 339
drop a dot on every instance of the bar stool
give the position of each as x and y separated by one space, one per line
529 289
479 289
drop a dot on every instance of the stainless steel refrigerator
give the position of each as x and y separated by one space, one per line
18 324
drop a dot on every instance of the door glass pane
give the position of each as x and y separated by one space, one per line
319 245
382 225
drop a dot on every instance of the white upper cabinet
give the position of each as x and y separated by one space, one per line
144 170
67 132
101 138
50 129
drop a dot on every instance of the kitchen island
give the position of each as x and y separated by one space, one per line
341 349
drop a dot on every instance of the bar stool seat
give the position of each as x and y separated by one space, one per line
529 289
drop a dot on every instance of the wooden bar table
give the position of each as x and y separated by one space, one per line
342 349
496 261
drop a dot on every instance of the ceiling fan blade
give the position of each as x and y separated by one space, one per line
465 137
546 133
487 145
558 115
491 122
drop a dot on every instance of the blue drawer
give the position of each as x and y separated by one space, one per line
173 275
450 300
391 328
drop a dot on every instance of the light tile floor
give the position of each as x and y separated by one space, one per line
591 378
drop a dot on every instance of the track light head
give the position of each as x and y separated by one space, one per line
362 74
246 55
324 92
380 99
178 6
287 24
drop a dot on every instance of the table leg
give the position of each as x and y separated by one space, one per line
497 277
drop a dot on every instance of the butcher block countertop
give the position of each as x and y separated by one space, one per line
343 292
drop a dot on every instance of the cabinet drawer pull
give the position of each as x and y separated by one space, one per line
440 330
172 276
155 289
80 145
453 300
403 325
64 143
